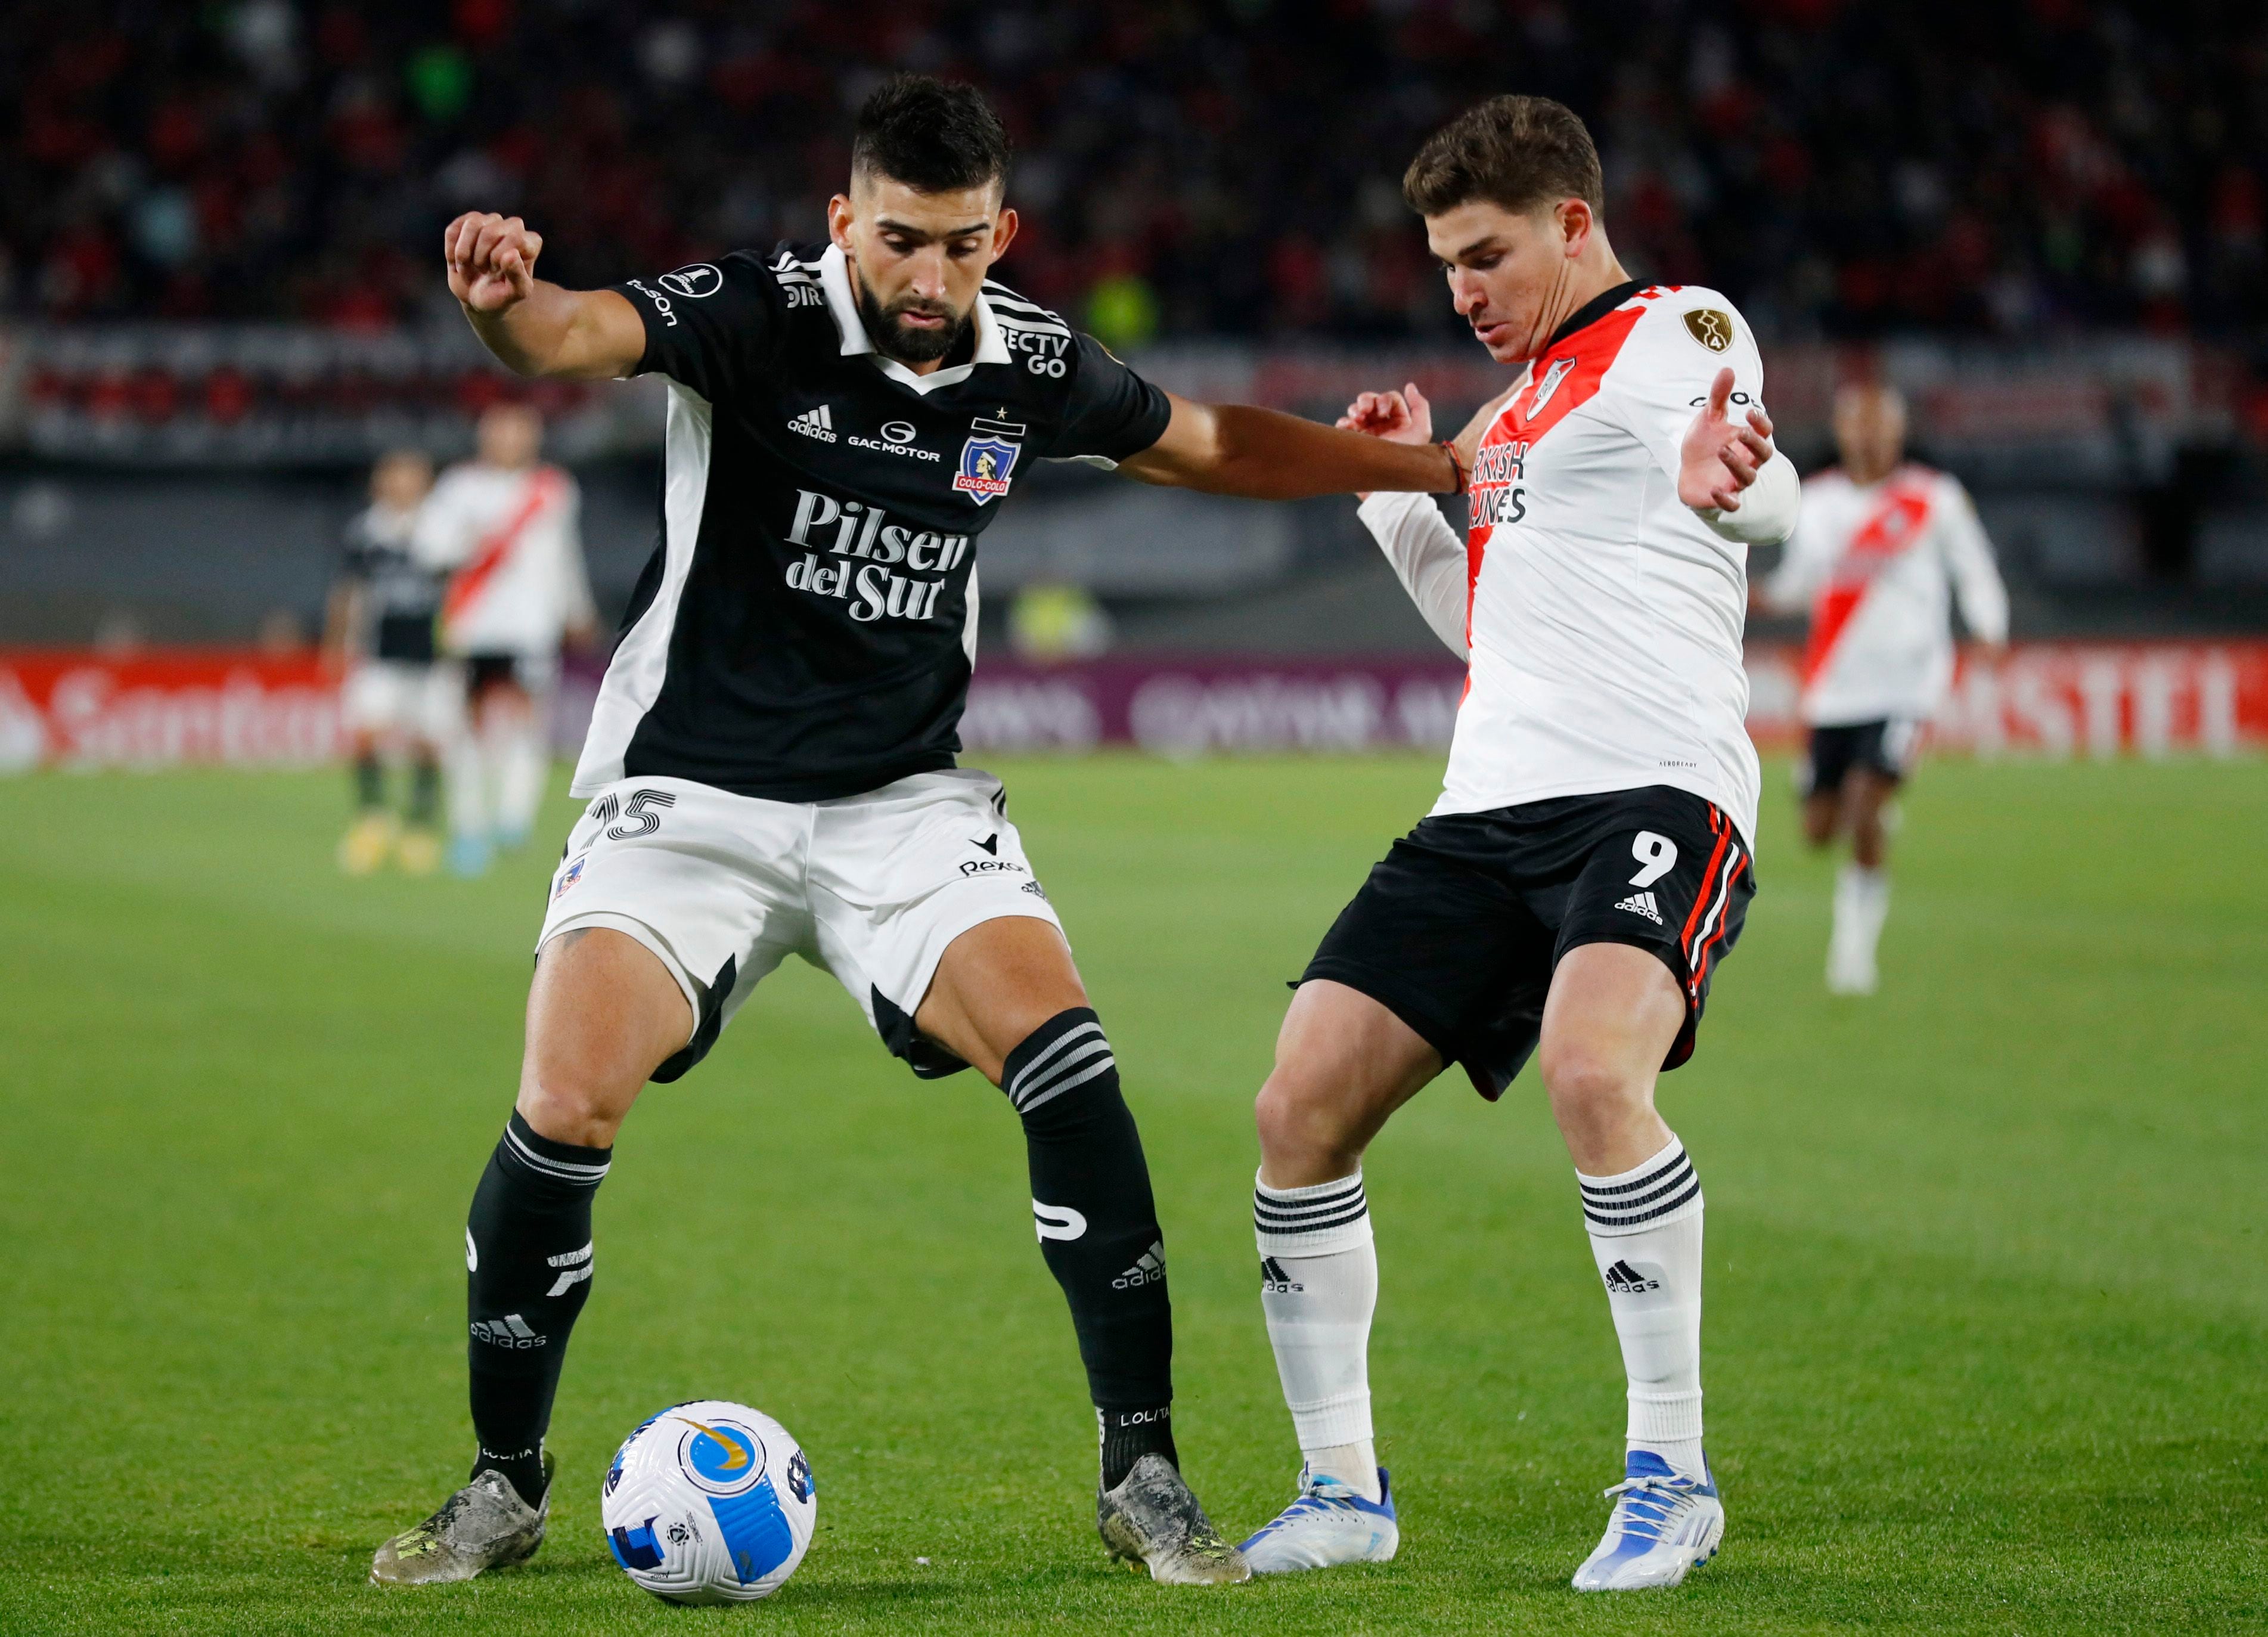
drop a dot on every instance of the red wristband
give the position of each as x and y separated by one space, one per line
1449 447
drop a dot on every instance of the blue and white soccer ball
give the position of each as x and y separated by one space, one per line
708 1502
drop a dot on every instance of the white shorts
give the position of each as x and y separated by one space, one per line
870 887
396 696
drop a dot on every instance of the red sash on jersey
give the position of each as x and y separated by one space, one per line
466 586
1561 378
1896 523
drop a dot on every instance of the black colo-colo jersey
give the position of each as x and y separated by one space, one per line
401 598
807 626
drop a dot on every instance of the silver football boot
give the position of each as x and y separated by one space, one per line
1151 1519
484 1526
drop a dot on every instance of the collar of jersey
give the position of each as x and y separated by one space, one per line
1582 318
842 306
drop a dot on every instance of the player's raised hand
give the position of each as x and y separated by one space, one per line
1402 417
1720 457
491 260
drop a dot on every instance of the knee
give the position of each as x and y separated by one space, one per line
1299 1122
570 1100
1591 1090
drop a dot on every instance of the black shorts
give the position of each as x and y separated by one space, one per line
484 671
1886 748
1460 928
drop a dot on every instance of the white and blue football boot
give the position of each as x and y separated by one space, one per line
1664 1523
1331 1522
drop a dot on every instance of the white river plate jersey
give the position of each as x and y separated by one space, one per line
1880 566
806 629
508 541
1604 617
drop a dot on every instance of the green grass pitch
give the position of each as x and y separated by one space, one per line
1987 1311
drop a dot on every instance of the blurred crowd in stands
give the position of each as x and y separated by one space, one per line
2015 167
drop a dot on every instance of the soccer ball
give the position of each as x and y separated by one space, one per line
708 1502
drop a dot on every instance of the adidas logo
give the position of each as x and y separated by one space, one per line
819 422
511 1330
1625 1280
1150 1270
1641 904
1274 1281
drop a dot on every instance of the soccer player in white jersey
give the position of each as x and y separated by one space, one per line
505 526
1885 548
772 764
1587 864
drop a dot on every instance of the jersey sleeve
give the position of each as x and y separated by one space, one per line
1975 579
713 326
1428 557
1676 352
1111 413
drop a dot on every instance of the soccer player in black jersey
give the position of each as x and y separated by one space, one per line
771 767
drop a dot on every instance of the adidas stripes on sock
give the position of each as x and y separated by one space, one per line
527 1273
1318 1290
1098 1229
1645 1235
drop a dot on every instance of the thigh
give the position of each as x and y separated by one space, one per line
1666 871
709 884
1830 754
1439 937
603 1014
996 984
900 876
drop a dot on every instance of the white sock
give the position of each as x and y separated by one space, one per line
1646 1237
1862 903
468 804
523 766
1318 1289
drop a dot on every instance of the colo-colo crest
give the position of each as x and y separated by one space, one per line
987 459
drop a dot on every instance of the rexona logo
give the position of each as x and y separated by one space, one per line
872 584
897 439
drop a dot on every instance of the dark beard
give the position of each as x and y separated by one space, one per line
908 346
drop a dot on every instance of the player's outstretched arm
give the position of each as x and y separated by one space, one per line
1235 449
535 328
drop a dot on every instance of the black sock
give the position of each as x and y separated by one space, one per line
425 792
528 1259
369 783
1098 1228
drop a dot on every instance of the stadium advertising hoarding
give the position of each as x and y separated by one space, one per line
165 708
76 709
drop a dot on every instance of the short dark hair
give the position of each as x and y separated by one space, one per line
934 136
1516 151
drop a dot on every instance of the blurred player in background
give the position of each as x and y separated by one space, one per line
1884 547
1586 867
399 698
505 526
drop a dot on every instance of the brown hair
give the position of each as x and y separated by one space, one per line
1518 152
